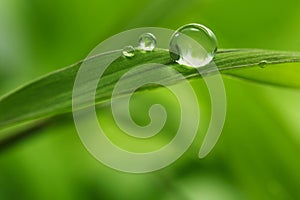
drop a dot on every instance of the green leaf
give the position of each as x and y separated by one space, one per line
254 65
51 95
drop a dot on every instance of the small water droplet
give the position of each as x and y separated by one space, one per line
147 41
128 51
262 64
193 45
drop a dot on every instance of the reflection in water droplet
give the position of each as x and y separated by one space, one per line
193 45
147 41
262 64
128 51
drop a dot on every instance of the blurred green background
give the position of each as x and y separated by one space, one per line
257 156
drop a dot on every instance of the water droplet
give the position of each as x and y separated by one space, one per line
147 41
128 51
262 64
193 45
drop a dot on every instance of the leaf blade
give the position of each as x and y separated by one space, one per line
51 95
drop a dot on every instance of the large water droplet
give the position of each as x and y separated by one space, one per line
147 41
128 51
193 45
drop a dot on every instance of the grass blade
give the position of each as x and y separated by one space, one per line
51 95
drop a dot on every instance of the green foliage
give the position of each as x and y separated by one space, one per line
51 95
257 154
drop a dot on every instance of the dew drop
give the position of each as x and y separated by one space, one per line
193 45
147 42
128 51
262 64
